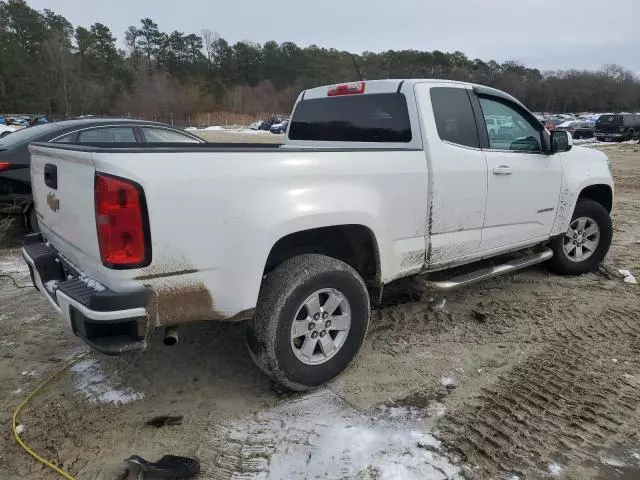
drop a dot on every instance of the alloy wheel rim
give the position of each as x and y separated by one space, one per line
581 239
320 326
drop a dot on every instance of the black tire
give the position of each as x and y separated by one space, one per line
560 262
577 136
283 292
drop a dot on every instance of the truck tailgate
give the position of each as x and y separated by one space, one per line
62 182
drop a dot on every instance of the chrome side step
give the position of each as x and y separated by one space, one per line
487 273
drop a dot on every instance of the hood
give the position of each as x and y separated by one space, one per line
590 159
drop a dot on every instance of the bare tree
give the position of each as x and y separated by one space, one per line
207 38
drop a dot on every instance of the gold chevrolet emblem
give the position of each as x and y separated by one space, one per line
53 202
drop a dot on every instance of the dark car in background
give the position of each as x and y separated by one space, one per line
15 182
551 123
578 128
619 127
279 127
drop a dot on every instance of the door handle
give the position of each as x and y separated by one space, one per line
502 170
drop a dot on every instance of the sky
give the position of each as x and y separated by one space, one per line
549 35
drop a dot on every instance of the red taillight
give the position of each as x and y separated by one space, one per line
121 223
346 89
4 165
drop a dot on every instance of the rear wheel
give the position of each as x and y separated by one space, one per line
586 241
310 322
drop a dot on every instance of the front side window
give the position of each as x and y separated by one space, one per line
162 135
454 116
515 131
107 135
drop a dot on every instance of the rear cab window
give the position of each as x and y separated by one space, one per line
366 118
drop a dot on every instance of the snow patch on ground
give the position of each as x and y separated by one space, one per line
612 462
555 469
320 436
89 379
13 264
91 283
436 409
628 277
232 129
448 382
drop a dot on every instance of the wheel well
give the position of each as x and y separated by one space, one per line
353 244
599 193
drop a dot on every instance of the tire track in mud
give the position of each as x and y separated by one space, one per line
548 318
579 392
570 398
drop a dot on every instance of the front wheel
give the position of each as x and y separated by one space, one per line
310 321
586 242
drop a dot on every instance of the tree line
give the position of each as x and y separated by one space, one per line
49 66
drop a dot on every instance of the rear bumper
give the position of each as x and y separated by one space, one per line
110 322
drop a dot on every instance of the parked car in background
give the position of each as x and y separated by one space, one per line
280 127
552 123
7 129
578 129
18 121
492 126
260 125
37 121
619 127
15 182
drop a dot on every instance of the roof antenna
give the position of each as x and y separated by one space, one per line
355 64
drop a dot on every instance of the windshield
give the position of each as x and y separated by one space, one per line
610 119
26 135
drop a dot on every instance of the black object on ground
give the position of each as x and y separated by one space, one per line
480 316
165 420
168 467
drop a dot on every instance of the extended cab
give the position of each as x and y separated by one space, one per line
375 181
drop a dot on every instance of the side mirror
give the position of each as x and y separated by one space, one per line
561 141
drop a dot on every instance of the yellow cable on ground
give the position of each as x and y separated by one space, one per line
64 474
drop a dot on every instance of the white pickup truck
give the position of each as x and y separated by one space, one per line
375 181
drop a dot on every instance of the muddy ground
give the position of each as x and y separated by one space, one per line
542 381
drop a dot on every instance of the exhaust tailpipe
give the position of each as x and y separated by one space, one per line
171 336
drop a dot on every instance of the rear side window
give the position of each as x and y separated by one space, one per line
107 135
69 138
382 117
161 135
454 116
